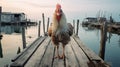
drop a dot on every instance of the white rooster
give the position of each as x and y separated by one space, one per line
60 30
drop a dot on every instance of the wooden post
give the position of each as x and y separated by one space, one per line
23 37
39 28
48 24
0 12
77 27
103 40
0 19
43 23
1 52
74 26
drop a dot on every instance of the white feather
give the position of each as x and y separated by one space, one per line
59 27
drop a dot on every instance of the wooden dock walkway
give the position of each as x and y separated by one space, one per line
41 53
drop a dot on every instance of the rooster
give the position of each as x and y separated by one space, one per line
60 30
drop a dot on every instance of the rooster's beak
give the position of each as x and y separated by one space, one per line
58 13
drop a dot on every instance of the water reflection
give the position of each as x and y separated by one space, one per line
109 37
88 28
102 48
19 50
11 29
92 38
11 43
119 41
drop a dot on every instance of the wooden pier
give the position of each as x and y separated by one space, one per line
41 53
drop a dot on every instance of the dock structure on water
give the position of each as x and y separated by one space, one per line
41 53
111 27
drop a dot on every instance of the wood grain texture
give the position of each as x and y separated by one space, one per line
24 56
76 55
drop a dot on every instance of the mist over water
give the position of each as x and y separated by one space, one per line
77 9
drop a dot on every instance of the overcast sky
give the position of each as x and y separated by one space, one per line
35 7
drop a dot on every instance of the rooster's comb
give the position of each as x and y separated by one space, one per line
58 6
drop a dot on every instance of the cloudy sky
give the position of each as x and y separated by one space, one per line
73 8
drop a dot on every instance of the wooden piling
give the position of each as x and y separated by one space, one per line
1 51
39 28
43 23
0 19
103 40
77 27
48 23
0 13
74 26
23 37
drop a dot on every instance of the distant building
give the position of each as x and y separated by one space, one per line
90 19
8 17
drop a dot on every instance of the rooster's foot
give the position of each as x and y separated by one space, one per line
62 57
57 57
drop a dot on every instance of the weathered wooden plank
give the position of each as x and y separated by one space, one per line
95 60
80 56
24 57
42 52
48 57
70 57
35 60
18 55
58 62
88 51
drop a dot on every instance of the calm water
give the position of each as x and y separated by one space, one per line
91 37
12 39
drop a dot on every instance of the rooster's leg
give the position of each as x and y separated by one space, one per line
63 56
58 56
58 52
